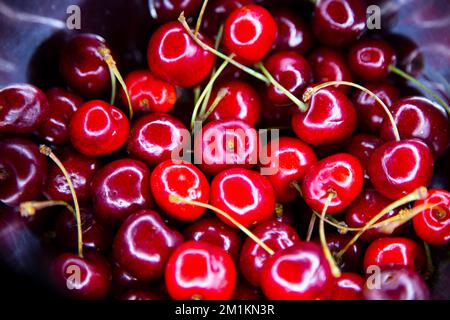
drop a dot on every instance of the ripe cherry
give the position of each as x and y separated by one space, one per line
122 280
348 287
98 128
143 245
249 32
167 10
174 56
399 167
23 108
293 33
201 271
340 174
276 116
362 146
352 259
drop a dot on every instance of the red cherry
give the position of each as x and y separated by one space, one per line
148 94
399 167
276 116
300 272
348 287
174 56
341 174
362 146
330 118
245 195
249 32
154 137
167 10
143 244
410 57
98 128
352 259
23 108
433 224
277 236
198 270
289 162
123 280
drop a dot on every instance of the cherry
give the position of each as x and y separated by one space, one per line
143 245
23 108
352 259
87 278
299 272
120 188
433 224
348 287
215 232
290 70
370 113
330 118
140 295
362 146
225 144
122 280
293 32
180 179
81 170
398 167
340 174
201 271
418 117
245 195
276 116
241 102
149 94
277 236
339 22
167 10
83 67
154 137
289 159
395 251
369 59
249 32
55 127
174 57
98 128
410 57
22 170
397 283
245 291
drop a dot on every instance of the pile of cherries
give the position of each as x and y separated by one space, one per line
348 214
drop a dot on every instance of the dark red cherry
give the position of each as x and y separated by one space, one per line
418 117
141 295
180 179
174 56
286 160
300 272
339 22
149 94
249 32
433 224
201 271
122 280
87 278
241 102
215 232
369 59
398 168
410 57
348 286
22 171
143 245
362 147
277 236
167 10
120 188
370 113
225 144
245 291
276 116
98 128
352 259
292 71
396 283
81 170
245 195
23 108
155 137
330 118
293 32
341 174
82 66
55 127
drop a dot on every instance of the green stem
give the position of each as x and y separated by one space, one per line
220 95
200 17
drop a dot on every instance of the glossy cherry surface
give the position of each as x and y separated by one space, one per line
348 286
167 10
362 147
352 259
198 270
293 32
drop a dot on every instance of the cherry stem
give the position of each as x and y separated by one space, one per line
409 77
312 222
177 199
279 210
294 184
197 91
29 208
200 17
49 153
430 266
106 54
113 87
300 104
220 95
311 91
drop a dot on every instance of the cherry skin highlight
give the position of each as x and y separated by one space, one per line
348 286
167 10
293 33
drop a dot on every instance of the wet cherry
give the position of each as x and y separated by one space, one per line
362 147
167 10
352 259
348 286
293 33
